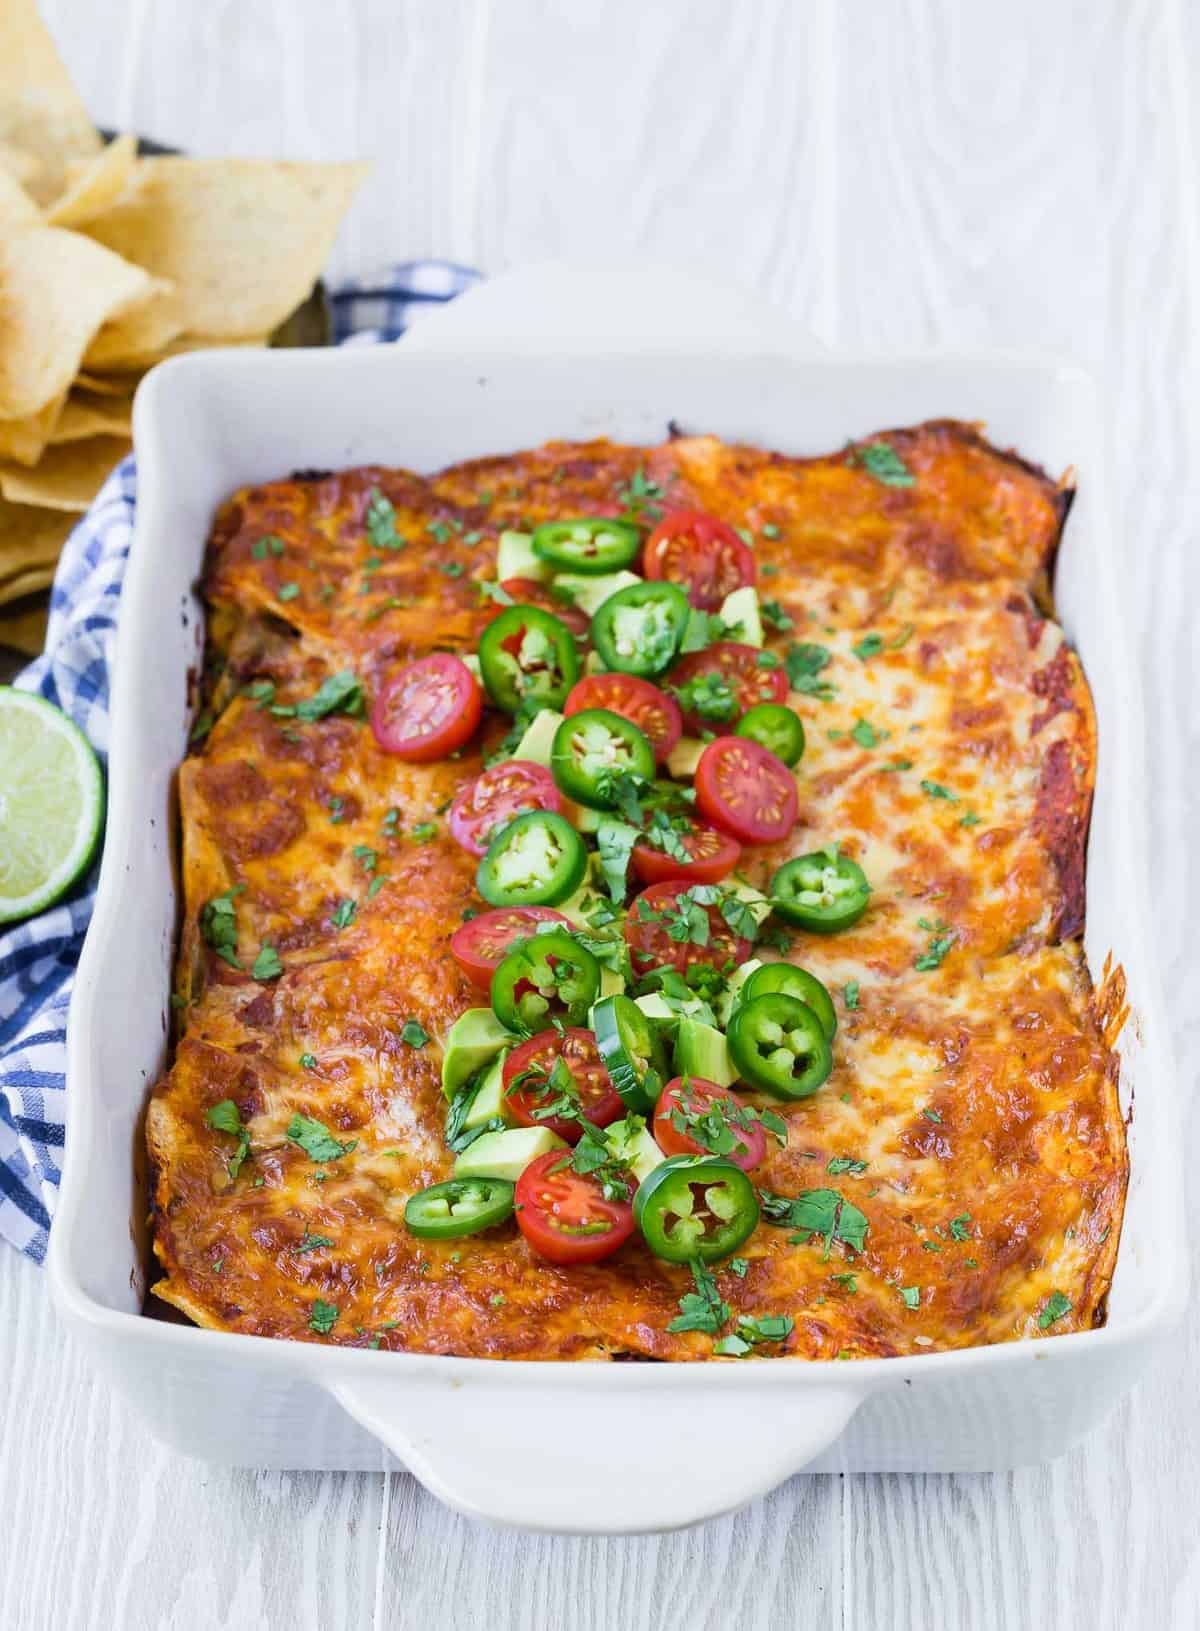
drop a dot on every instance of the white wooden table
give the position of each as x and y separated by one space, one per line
1021 173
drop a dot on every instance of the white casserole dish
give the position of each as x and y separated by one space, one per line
664 1445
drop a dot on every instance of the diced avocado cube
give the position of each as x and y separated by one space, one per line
685 756
700 1051
740 610
728 999
473 1041
611 983
630 1141
589 594
758 903
489 1100
506 1154
539 737
515 558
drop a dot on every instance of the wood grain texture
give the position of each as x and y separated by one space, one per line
917 175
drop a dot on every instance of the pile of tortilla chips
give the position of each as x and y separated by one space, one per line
108 264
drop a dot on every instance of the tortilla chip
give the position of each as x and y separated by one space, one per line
243 240
85 415
67 477
16 206
103 384
40 110
141 333
24 629
26 583
30 539
27 439
94 185
57 288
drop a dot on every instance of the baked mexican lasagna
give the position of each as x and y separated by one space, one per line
632 902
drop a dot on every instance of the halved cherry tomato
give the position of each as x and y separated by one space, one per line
703 554
529 592
697 1117
659 910
428 709
651 710
716 686
481 945
564 1215
711 855
497 795
529 1089
745 790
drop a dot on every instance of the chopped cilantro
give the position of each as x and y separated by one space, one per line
869 646
817 1212
805 662
340 693
452 569
424 831
376 884
367 857
897 764
738 1266
322 1317
641 497
227 1118
381 522
970 819
774 616
770 530
960 1227
703 1309
308 1061
845 1163
882 461
865 734
850 993
931 1115
848 1283
289 591
343 913
1056 1306
218 924
935 790
310 1243
315 1139
414 1033
267 965
940 943
911 1296
751 1332
614 845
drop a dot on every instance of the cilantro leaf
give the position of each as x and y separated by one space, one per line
267 965
935 790
960 1227
911 1296
812 1212
414 1033
322 1317
850 994
703 1309
614 845
227 1118
315 1139
218 924
310 1243
381 522
869 646
1056 1306
804 663
339 693
882 461
865 734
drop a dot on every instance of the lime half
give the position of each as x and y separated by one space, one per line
51 804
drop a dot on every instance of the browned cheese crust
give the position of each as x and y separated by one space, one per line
981 1094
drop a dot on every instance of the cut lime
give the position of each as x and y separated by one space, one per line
51 804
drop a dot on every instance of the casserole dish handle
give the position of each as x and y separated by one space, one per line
559 1456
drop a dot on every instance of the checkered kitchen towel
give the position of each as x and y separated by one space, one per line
38 958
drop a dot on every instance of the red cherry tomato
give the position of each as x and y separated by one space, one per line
650 709
528 592
563 1213
745 790
696 550
651 919
428 709
697 1117
717 685
496 796
598 1098
712 855
480 946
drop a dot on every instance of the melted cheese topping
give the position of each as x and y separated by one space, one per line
972 1113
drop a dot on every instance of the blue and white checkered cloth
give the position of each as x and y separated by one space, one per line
38 958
